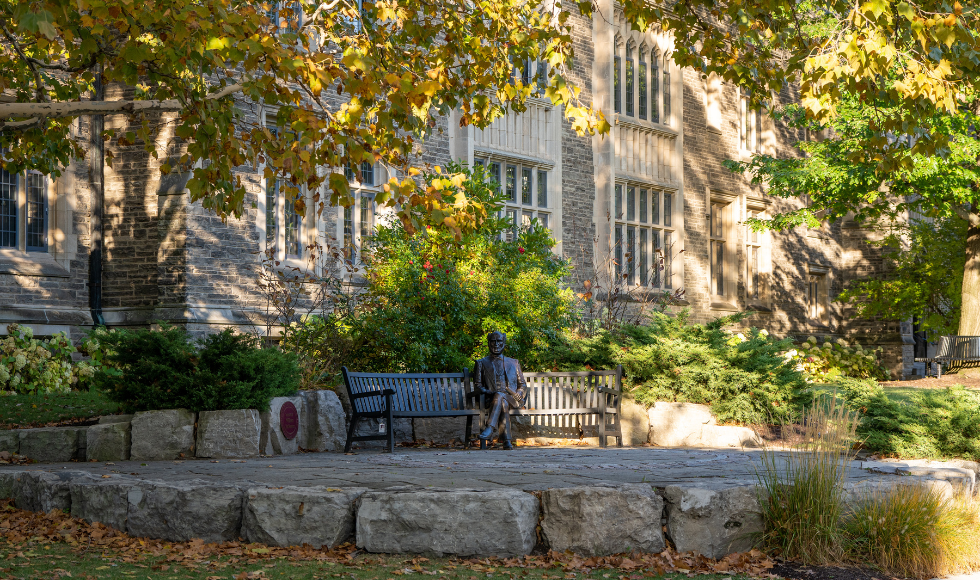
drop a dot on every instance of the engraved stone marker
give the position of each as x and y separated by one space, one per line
288 420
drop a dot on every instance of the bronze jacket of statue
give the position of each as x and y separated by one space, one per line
512 387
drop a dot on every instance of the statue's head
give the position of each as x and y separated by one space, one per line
496 341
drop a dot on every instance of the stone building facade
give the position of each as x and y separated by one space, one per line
652 189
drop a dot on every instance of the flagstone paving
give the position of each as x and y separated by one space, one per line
528 468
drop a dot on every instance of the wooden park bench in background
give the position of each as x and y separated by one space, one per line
953 351
589 399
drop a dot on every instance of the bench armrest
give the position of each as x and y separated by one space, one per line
380 393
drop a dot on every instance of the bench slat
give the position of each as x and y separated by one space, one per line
403 375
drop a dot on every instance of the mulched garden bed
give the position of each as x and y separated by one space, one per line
797 571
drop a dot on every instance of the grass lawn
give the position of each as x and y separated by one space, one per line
896 394
61 561
55 546
40 410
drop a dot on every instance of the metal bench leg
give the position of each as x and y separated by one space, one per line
469 431
391 425
354 420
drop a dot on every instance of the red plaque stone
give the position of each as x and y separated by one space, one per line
288 420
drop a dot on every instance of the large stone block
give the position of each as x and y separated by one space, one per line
233 433
293 516
108 442
8 479
10 441
691 425
598 520
41 491
161 435
326 421
713 522
185 510
857 493
102 500
497 522
443 430
53 444
635 421
273 439
115 419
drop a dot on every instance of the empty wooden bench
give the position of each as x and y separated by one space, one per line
953 351
587 400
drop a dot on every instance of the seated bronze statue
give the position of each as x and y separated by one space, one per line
501 381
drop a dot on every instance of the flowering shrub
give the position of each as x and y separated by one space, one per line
32 366
827 362
433 296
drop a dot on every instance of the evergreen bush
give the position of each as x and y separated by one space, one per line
167 369
935 423
744 377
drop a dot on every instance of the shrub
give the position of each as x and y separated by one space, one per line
744 377
936 423
166 369
914 531
827 362
32 366
801 492
323 344
433 295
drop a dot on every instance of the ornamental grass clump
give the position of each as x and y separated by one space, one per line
916 531
801 491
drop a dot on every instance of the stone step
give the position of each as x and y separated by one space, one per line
460 522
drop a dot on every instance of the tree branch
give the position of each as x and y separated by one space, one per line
76 108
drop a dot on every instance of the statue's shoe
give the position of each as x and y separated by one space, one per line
507 444
486 433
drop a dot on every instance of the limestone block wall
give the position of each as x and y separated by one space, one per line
578 185
49 290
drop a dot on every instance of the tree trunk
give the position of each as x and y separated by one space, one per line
970 312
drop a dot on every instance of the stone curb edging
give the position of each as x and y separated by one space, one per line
590 520
593 520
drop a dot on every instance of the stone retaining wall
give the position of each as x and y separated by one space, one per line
589 520
319 425
594 520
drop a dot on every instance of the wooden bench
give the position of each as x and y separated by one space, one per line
390 396
953 350
587 400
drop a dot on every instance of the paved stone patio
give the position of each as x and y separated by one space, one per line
527 468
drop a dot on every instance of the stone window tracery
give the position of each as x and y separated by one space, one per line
644 235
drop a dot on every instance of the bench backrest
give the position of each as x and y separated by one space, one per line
959 348
572 390
413 392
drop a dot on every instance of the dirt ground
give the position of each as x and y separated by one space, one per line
970 382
